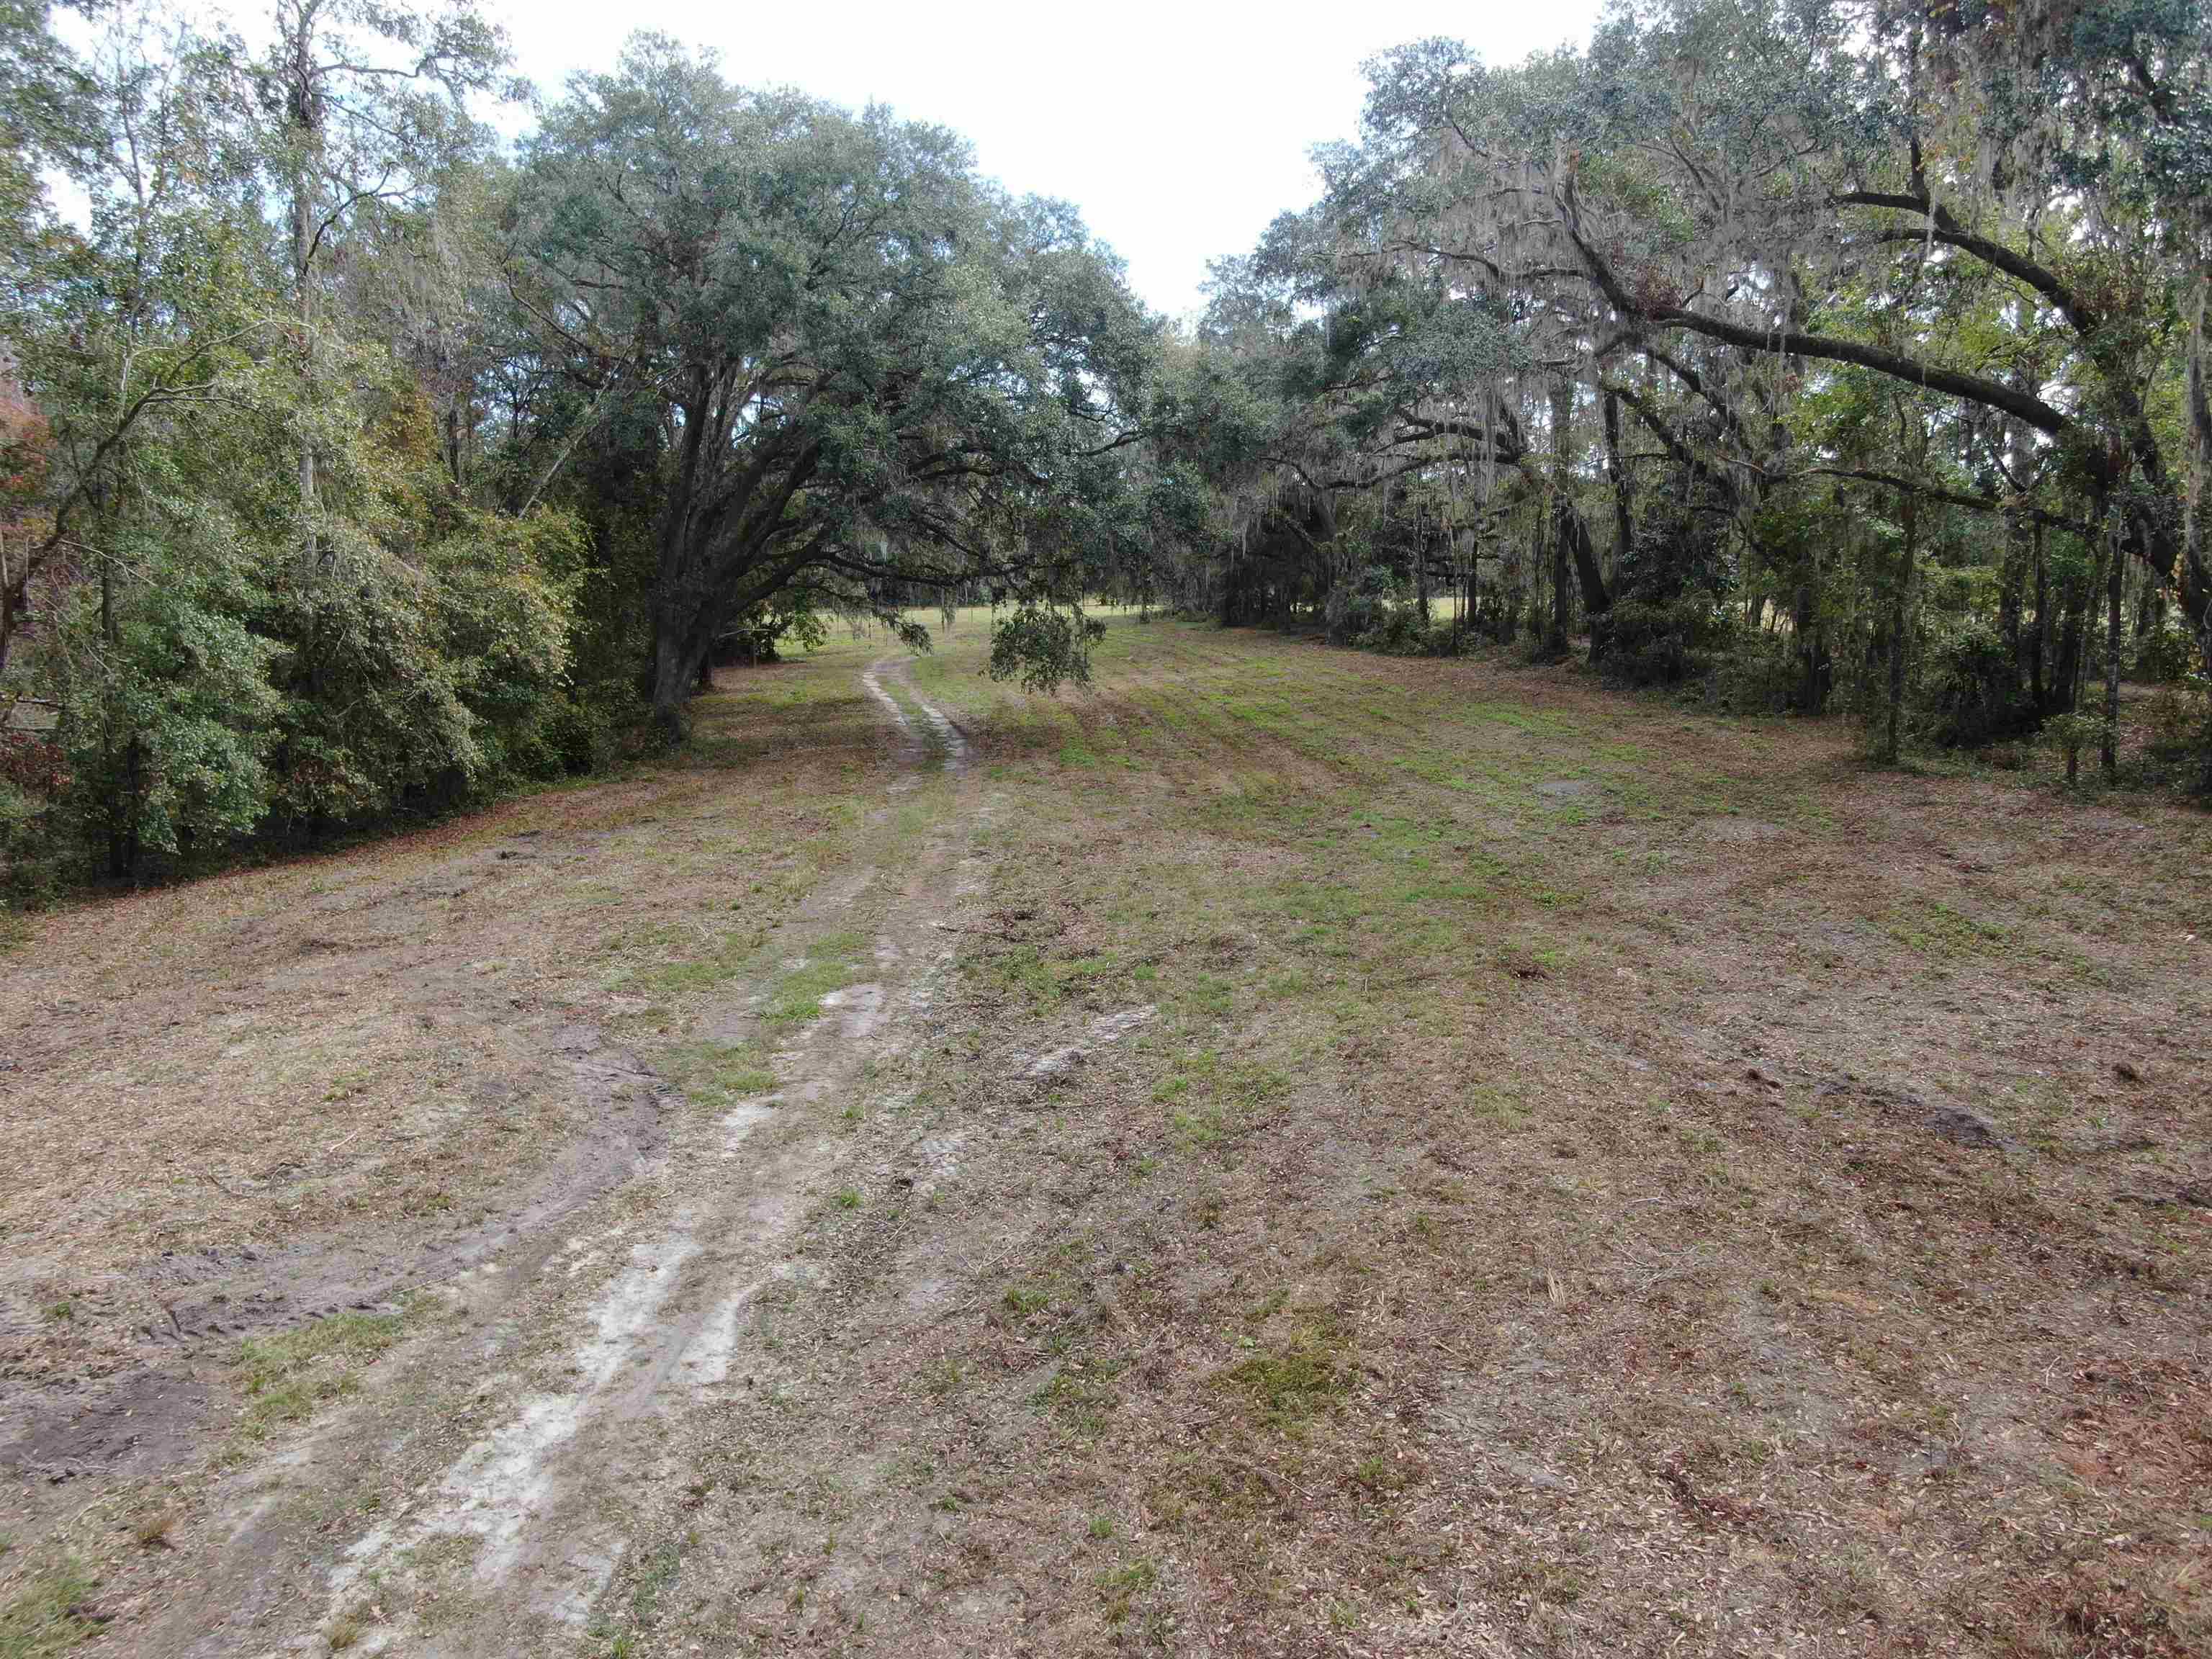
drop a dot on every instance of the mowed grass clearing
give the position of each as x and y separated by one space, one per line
1599 1179
1591 1177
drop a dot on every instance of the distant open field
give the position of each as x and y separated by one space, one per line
1278 1151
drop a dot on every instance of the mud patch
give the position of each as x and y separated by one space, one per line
1959 1125
131 1426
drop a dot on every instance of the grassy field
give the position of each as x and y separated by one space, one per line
1571 1176
1599 1174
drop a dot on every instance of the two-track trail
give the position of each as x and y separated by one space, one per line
540 1413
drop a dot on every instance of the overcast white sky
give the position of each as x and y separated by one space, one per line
1180 131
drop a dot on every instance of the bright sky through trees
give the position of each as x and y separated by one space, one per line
1179 130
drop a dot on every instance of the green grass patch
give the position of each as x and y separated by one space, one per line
1288 1385
44 1617
1120 1586
1935 930
797 995
1022 972
719 1075
1080 1395
730 960
287 1376
1213 1101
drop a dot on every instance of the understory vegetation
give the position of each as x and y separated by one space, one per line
1843 356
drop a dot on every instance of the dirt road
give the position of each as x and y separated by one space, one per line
519 1442
600 1335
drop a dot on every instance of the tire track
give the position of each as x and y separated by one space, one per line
514 1540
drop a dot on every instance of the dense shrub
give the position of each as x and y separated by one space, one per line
1357 608
2180 750
2165 654
1662 643
580 734
1399 632
1966 688
30 874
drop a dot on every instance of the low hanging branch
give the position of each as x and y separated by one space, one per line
1934 493
1790 342
2152 540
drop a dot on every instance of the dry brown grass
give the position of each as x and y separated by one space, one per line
359 1055
1558 1221
1599 1179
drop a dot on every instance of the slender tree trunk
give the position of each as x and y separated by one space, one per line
1623 505
304 304
2084 619
1900 622
1467 582
2066 661
2150 615
13 590
1563 416
2013 579
2039 651
1562 600
123 788
1815 672
2109 750
1421 571
304 120
1572 531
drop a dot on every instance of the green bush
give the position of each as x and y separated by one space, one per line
30 870
586 728
2181 741
1399 632
2072 735
1663 642
2166 655
1967 689
1357 609
1758 674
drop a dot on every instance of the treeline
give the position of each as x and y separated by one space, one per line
357 465
1819 354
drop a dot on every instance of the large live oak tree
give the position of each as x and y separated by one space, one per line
876 375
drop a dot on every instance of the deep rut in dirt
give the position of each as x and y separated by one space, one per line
594 1326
